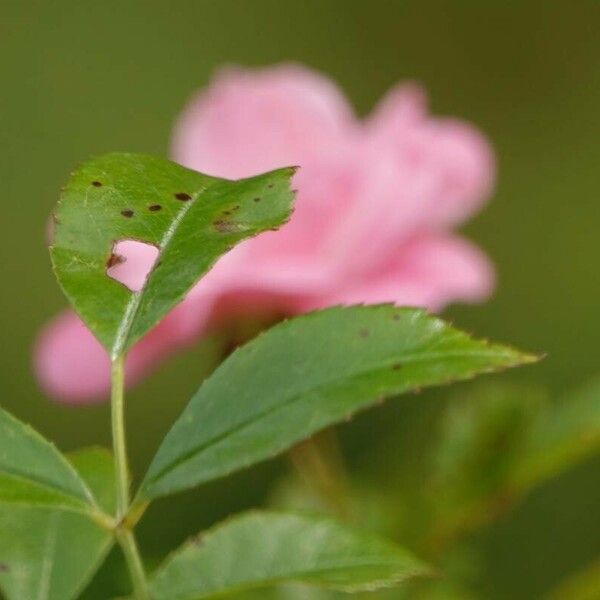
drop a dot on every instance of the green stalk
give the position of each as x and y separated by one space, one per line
118 436
318 461
134 562
124 535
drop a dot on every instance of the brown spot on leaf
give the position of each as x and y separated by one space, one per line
183 196
270 186
97 183
154 207
224 226
396 366
257 199
127 213
396 317
4 568
115 259
364 333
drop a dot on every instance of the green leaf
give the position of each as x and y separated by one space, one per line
306 374
480 440
495 444
564 434
481 434
262 549
49 554
191 218
34 472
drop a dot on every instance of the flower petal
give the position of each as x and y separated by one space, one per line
374 204
70 363
431 271
252 121
452 160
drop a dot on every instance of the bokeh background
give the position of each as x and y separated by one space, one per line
81 78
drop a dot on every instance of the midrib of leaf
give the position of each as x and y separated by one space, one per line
48 486
133 305
410 358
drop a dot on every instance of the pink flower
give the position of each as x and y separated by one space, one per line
377 203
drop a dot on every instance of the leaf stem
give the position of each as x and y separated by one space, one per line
123 534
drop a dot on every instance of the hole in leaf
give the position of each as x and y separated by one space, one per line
130 262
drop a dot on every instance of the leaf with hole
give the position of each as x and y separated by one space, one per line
262 549
34 472
191 218
306 374
51 554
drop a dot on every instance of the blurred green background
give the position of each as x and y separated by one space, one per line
83 78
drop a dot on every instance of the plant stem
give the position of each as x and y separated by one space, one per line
118 436
134 562
123 534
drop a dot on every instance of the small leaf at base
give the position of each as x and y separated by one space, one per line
261 549
51 554
34 472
